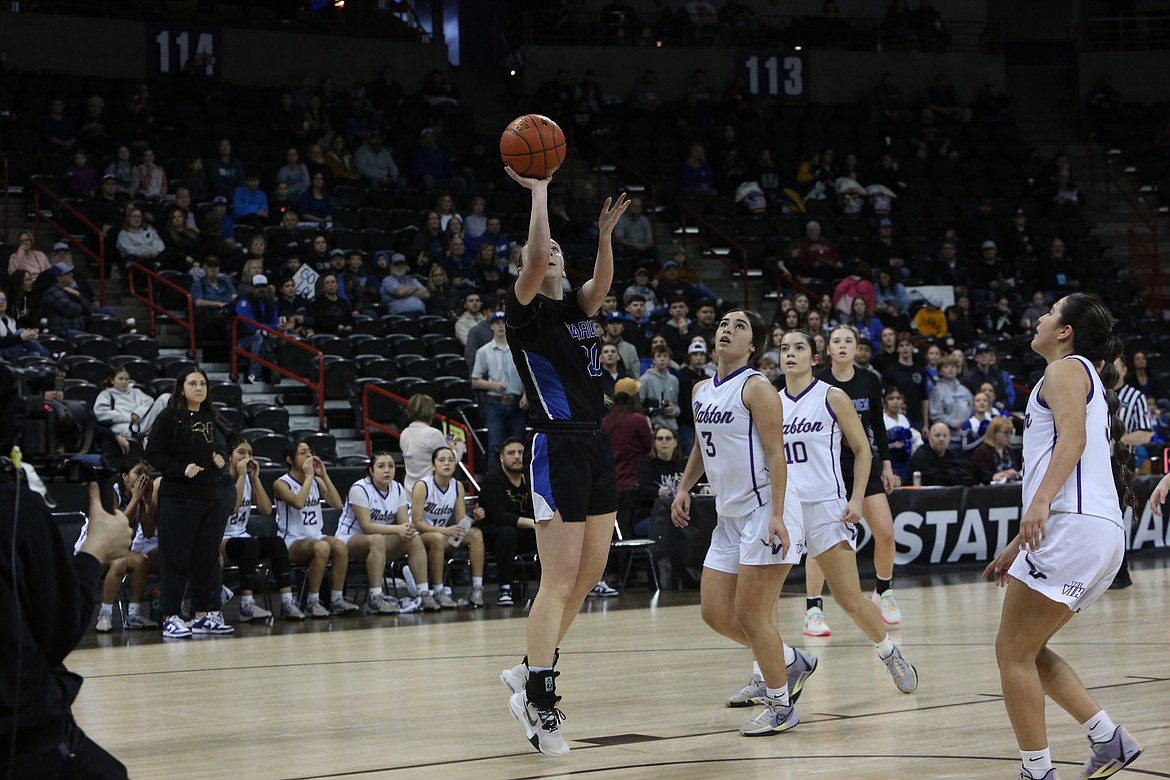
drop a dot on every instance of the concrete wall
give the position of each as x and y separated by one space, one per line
835 76
117 49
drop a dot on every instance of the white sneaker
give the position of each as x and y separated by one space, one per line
428 601
515 678
379 605
444 600
252 611
504 598
891 615
755 692
175 628
343 606
904 674
601 590
290 611
814 623
226 594
775 718
135 622
316 609
105 621
211 623
542 727
409 605
476 596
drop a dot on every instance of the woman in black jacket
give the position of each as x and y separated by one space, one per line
189 447
331 312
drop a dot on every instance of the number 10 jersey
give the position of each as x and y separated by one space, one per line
812 444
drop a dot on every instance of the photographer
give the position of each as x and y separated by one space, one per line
47 597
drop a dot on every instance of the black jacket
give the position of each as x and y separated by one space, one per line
504 503
56 591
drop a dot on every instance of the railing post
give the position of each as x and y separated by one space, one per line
235 338
321 395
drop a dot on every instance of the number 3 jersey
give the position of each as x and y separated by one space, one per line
557 354
304 523
733 452
812 444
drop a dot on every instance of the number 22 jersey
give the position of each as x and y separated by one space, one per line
304 523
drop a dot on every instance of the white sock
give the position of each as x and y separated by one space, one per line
247 599
779 695
477 582
286 598
789 656
313 598
132 609
1100 727
756 670
107 608
424 587
885 648
1036 762
375 592
540 669
336 595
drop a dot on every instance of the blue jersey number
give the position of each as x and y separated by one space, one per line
795 452
710 448
592 358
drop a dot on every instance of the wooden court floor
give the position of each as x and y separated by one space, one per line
643 684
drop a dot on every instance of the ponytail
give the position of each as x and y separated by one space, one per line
1093 337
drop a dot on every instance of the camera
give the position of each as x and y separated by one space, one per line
49 431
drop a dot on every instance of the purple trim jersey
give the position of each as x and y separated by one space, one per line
1089 490
733 453
812 444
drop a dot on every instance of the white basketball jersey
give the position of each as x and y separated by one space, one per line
237 524
305 523
383 507
812 444
439 506
1089 489
733 453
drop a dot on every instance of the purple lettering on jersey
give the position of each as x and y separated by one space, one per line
711 415
801 425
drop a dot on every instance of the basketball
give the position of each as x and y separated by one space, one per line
533 146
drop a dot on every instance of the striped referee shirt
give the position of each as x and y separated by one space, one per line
1134 412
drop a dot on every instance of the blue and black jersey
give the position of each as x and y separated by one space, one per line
558 356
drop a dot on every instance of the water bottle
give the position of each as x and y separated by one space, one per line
156 606
465 524
917 479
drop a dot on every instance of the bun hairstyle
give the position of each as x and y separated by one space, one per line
1093 338
374 459
760 331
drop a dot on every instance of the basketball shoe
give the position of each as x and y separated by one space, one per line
1049 775
814 623
799 671
1110 757
904 674
773 719
891 615
541 727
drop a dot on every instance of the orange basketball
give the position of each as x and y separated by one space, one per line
533 145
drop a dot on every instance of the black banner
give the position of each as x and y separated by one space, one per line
939 526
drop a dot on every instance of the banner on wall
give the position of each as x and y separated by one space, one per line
940 526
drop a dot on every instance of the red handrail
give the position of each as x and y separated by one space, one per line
686 215
368 422
4 186
99 257
238 351
156 308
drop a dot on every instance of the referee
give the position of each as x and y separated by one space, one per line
570 460
1135 419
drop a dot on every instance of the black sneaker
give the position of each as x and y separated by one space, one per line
504 599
